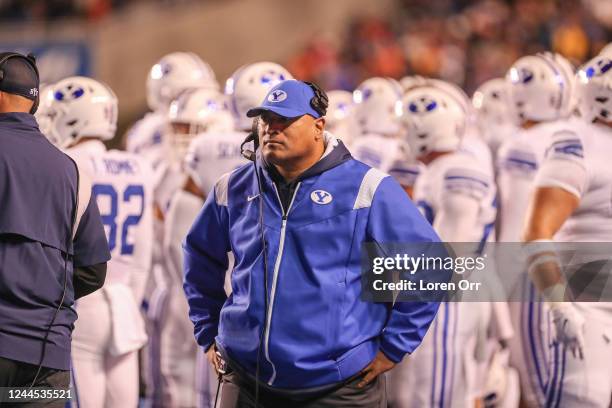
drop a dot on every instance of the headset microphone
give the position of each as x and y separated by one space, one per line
252 137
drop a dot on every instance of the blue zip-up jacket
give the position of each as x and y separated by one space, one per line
318 331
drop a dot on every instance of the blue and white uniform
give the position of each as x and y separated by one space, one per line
518 161
388 154
456 194
111 329
578 162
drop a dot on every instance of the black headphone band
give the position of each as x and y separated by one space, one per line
32 62
319 101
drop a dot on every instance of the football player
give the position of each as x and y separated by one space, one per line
194 111
571 204
377 112
540 89
494 116
110 329
170 76
455 193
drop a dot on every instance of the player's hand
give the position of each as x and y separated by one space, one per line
379 365
569 327
213 358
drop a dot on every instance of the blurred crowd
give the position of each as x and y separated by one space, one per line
462 41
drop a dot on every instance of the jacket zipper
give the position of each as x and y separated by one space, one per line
277 263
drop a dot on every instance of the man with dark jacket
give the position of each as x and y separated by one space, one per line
295 325
53 249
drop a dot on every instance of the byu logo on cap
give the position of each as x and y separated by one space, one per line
321 197
277 96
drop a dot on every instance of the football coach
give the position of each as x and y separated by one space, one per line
53 249
294 331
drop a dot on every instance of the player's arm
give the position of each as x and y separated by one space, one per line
192 188
182 212
560 183
549 209
183 209
205 263
194 164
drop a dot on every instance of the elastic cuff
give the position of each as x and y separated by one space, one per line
391 352
208 347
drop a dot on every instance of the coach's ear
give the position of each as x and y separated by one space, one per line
319 125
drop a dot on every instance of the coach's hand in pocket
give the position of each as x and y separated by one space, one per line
214 358
379 365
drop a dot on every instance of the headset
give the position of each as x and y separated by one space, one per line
61 302
319 102
31 60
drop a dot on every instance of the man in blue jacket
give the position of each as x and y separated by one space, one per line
297 230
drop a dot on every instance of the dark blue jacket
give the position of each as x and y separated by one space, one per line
38 187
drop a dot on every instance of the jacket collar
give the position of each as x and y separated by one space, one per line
19 121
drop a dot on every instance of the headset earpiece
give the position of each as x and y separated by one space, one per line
319 101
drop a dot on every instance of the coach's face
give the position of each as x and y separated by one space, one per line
286 140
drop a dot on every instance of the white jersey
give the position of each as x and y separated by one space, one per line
387 154
168 179
453 347
145 138
377 151
477 148
578 161
518 160
458 174
122 186
496 135
213 154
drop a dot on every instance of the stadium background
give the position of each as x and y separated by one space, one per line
335 43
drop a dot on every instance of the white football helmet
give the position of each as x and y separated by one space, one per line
433 120
606 51
81 107
42 114
195 111
174 73
339 119
541 87
494 112
594 89
378 106
412 81
492 103
339 108
248 87
456 93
